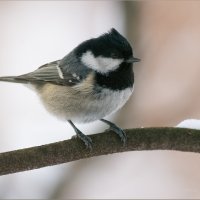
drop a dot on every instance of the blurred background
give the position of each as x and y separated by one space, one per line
164 34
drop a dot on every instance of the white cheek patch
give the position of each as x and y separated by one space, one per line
100 64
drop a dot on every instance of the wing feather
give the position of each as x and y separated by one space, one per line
67 71
50 72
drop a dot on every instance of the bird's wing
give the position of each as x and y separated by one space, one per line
54 72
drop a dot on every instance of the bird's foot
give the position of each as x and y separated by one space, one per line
117 130
86 139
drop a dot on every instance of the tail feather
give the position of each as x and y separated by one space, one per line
13 79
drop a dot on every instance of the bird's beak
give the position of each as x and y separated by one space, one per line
132 60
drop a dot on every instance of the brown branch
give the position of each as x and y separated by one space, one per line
180 139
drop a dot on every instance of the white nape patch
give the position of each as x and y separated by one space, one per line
100 64
60 72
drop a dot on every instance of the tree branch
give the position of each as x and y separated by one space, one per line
180 139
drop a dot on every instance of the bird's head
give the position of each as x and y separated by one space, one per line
106 52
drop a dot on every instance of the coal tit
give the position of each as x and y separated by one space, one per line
94 80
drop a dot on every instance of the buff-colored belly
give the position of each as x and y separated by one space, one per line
82 105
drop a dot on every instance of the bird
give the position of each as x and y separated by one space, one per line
92 81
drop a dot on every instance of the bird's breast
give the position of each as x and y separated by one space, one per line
82 104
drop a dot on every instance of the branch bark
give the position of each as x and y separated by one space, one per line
180 139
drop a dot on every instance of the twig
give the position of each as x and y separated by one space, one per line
180 139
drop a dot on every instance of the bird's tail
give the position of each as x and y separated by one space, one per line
13 79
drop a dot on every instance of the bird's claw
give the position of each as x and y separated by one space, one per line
86 139
117 130
120 133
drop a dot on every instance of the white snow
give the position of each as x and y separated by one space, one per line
190 123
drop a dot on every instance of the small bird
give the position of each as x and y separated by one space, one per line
94 80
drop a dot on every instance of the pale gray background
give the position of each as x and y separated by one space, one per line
165 35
